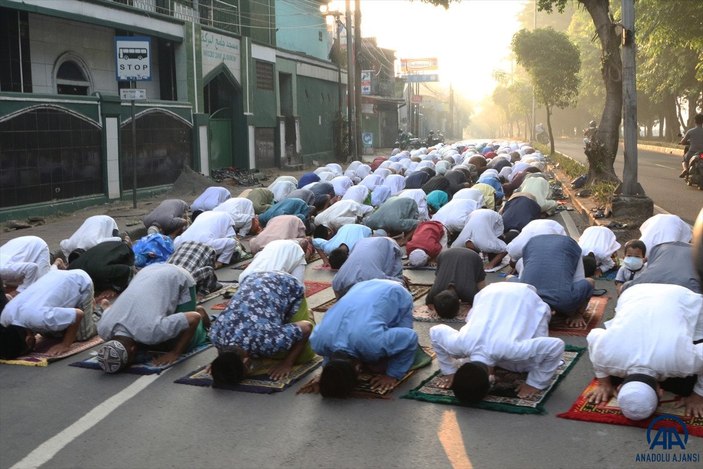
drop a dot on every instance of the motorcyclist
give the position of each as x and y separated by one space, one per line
541 133
591 130
693 138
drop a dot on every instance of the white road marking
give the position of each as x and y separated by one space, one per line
663 166
47 450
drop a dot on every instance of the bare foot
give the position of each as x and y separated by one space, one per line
313 387
525 391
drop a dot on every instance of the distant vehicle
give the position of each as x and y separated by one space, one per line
132 53
694 177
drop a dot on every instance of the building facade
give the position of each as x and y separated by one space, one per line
221 93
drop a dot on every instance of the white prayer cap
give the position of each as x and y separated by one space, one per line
637 400
418 258
380 232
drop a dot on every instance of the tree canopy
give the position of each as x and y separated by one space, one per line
553 63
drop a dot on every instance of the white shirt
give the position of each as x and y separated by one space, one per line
371 181
24 260
357 194
49 304
395 182
469 193
281 189
508 327
93 231
455 213
242 212
600 240
652 333
207 227
210 198
483 228
281 255
664 228
341 184
419 196
341 213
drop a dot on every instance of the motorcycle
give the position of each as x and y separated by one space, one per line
433 138
695 172
406 141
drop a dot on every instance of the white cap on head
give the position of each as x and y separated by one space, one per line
418 258
637 400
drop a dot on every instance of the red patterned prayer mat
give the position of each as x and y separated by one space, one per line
610 413
593 315
315 287
418 291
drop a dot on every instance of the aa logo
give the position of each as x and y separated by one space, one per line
666 436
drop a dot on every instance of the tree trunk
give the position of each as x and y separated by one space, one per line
672 122
603 149
692 99
549 130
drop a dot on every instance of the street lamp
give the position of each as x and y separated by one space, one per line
326 11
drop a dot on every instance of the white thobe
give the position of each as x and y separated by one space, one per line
455 213
652 333
600 240
483 228
470 193
357 194
216 229
341 184
94 230
371 181
210 198
341 213
242 212
281 189
508 327
664 228
395 182
24 260
284 255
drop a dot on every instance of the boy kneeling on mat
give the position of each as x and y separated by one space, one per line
371 325
266 317
507 327
157 310
652 344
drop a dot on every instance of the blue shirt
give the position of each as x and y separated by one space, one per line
347 234
371 322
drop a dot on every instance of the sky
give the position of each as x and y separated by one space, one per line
471 39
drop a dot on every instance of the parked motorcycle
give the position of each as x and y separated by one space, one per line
406 141
433 138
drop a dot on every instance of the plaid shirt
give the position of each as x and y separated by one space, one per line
199 260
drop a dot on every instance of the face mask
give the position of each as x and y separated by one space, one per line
633 263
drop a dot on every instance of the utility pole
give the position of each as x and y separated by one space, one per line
533 123
357 79
350 83
630 186
451 112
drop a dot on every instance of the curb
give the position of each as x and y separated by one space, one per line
578 202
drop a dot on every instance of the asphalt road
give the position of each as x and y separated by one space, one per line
657 173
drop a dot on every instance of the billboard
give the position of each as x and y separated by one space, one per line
417 65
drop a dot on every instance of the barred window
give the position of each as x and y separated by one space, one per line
264 75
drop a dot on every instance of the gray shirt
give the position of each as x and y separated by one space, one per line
146 310
694 137
170 215
669 263
371 258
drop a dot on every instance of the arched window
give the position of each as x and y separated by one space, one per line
71 78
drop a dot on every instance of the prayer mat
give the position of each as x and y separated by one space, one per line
142 364
503 263
417 290
423 314
609 412
593 315
422 267
220 306
502 396
242 263
315 287
423 358
258 381
38 357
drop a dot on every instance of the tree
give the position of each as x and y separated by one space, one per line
601 153
553 64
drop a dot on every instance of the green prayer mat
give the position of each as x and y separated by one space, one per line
502 396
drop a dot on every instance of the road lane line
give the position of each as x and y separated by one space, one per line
47 450
449 435
570 225
663 166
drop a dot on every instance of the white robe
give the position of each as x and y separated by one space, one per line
383 172
395 182
508 326
455 213
210 198
242 212
94 230
341 213
341 184
216 229
371 181
282 255
600 240
24 260
357 194
652 333
483 228
419 196
664 228
469 193
281 189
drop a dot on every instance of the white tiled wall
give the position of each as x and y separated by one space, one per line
50 38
